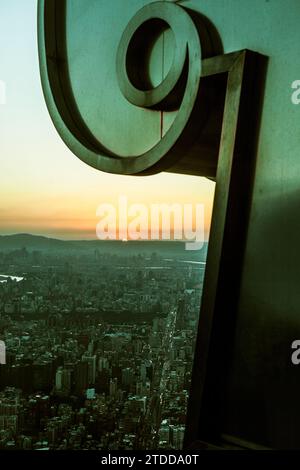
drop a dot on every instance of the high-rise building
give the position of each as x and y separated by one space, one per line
81 377
113 387
91 361
103 364
63 380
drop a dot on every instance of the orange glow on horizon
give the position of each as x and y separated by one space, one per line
73 215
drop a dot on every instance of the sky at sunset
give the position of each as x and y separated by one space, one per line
44 188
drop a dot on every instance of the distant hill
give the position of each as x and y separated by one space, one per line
40 243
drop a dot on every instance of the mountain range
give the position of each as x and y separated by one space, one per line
167 248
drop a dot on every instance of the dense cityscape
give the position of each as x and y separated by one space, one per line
99 348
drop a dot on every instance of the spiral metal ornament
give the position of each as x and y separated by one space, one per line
179 90
187 54
187 48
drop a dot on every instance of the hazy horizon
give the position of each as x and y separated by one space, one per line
90 239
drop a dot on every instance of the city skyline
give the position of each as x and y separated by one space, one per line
97 361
